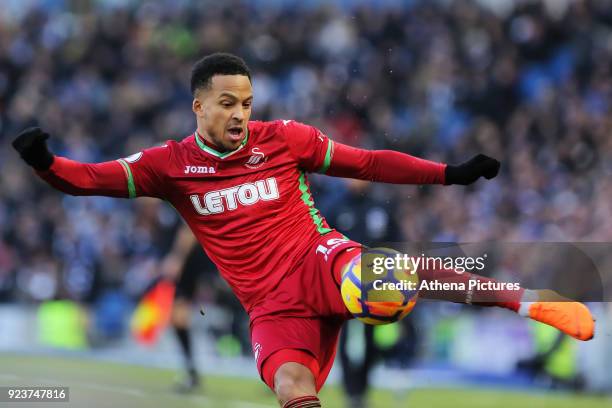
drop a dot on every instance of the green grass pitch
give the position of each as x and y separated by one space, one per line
98 384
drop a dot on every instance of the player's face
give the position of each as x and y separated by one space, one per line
223 110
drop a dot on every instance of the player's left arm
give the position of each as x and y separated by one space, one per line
389 166
315 152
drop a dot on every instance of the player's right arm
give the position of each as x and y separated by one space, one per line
118 178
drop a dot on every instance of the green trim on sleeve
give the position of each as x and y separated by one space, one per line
328 156
130 178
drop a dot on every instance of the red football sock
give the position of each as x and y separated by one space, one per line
343 259
483 292
309 401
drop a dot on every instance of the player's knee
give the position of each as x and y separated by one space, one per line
293 380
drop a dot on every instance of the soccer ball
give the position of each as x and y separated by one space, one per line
378 293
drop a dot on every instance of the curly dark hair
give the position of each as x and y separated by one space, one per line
219 63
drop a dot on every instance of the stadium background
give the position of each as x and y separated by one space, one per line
527 82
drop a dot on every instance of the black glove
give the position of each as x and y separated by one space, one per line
32 147
470 171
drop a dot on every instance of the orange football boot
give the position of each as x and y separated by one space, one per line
572 318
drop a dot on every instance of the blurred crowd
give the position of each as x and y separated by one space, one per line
530 85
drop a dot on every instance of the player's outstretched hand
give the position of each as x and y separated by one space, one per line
32 147
470 171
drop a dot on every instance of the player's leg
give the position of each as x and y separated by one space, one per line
181 322
293 382
295 386
545 306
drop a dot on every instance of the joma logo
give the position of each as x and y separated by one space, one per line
216 202
199 170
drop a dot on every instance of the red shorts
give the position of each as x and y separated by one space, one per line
308 332
308 341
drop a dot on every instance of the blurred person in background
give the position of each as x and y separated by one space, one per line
367 217
185 264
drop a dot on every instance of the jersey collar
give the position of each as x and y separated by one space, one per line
215 153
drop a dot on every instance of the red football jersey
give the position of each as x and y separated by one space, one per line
251 209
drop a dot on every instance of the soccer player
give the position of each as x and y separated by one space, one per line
242 188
